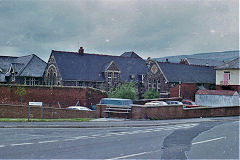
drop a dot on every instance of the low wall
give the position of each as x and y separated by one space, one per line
138 112
20 111
178 112
51 96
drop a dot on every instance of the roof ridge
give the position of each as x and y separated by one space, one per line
9 56
185 64
96 54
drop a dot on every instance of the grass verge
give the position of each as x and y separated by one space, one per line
44 120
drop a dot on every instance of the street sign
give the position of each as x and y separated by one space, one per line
35 103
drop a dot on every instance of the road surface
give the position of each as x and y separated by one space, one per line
203 140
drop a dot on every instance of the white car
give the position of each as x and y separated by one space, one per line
174 102
156 103
80 108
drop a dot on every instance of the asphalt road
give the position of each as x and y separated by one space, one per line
203 140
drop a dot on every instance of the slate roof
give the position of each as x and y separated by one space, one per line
30 65
5 63
130 54
204 62
217 92
175 72
234 64
90 67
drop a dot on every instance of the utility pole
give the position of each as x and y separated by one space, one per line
179 89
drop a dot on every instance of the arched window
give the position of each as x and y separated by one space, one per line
52 75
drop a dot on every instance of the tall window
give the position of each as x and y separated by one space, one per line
154 84
158 85
115 78
52 75
32 81
109 77
149 85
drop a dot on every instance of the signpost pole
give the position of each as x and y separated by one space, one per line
28 112
41 111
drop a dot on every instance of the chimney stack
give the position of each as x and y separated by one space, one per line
81 50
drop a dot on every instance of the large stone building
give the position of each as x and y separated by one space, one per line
228 75
26 70
164 76
94 70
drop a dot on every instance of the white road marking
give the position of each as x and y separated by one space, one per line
208 140
20 144
96 135
80 137
172 127
49 141
132 155
236 122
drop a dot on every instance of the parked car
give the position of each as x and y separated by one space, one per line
78 108
156 103
174 102
189 103
116 101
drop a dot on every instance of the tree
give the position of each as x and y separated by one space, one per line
20 92
125 91
151 94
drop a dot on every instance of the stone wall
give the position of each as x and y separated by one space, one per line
51 96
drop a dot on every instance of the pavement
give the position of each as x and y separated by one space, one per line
112 122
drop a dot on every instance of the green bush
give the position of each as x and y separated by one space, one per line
20 91
151 94
125 91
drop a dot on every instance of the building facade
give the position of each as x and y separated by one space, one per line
27 70
165 76
228 75
94 70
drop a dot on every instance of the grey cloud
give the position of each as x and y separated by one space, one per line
151 28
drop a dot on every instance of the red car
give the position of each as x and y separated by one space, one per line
189 103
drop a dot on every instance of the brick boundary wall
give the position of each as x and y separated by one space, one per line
50 96
20 111
178 112
138 112
188 91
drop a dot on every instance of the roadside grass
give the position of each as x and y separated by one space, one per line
44 120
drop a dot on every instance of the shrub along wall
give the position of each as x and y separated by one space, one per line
51 96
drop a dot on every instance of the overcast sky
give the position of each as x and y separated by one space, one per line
154 28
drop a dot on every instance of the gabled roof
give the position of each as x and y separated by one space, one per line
175 72
234 64
130 54
217 92
204 62
90 67
34 68
30 65
5 63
